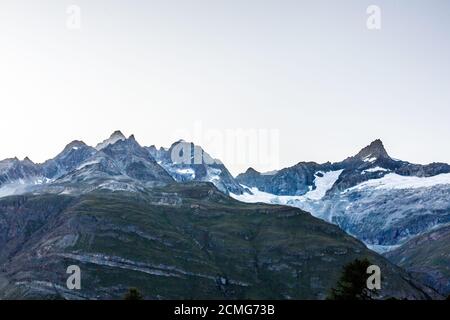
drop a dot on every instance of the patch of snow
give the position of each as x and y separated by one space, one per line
323 184
42 180
187 171
396 181
213 175
258 196
67 192
368 159
376 169
88 163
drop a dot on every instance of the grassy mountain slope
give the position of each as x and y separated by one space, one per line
427 257
183 241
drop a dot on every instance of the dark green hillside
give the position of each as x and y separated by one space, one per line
427 257
185 241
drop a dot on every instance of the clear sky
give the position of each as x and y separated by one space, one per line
311 71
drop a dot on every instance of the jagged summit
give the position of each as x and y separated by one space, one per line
374 150
117 133
186 161
15 160
28 160
115 136
75 145
251 171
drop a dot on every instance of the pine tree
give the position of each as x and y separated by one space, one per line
133 294
352 284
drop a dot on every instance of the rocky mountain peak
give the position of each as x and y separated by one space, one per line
115 136
251 171
76 144
28 161
374 150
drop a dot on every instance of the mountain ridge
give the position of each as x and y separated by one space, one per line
382 201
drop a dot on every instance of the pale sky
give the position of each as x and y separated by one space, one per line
309 70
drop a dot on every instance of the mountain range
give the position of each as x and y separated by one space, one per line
174 222
384 202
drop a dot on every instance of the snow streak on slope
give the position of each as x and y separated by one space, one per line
260 196
376 169
323 184
188 172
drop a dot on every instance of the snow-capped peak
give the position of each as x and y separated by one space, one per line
116 136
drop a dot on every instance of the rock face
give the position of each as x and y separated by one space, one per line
118 163
296 180
73 155
180 241
427 257
12 170
374 150
185 161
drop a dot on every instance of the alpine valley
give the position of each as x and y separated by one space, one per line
177 225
